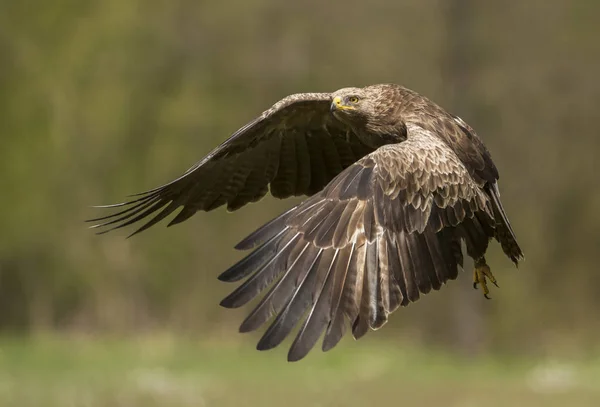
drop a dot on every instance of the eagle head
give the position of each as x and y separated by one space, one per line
369 109
350 103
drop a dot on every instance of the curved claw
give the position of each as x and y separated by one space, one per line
487 297
475 285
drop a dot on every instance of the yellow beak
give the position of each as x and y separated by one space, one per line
337 104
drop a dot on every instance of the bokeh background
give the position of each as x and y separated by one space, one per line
100 99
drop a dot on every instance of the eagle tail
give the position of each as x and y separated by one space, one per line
504 233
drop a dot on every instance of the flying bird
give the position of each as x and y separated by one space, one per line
394 184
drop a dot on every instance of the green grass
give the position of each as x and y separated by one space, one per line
57 372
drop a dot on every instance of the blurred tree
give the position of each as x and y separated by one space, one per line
102 99
460 67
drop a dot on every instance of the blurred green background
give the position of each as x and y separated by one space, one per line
100 99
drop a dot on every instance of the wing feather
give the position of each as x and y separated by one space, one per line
296 147
284 183
318 169
396 275
342 280
383 280
275 299
319 314
303 160
297 303
379 236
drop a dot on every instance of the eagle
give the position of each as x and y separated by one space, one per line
395 187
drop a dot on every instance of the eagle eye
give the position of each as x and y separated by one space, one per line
353 99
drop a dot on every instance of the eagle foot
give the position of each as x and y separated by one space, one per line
481 273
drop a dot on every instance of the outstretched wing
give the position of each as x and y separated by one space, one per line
383 232
296 147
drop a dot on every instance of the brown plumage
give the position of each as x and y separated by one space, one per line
395 184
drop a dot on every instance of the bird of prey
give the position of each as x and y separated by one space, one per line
394 184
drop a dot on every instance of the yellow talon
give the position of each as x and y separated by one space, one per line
480 275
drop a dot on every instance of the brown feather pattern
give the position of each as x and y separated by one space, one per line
394 184
382 218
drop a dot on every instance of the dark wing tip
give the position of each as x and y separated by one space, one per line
226 278
265 343
329 343
227 302
164 200
295 356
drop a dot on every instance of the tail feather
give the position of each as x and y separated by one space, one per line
504 233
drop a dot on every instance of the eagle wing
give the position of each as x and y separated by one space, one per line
384 231
296 147
477 159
